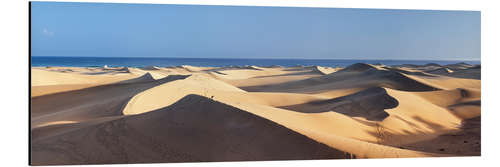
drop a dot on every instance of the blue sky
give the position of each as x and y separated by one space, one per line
161 30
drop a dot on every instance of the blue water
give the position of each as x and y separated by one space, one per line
212 62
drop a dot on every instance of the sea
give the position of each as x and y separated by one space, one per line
44 61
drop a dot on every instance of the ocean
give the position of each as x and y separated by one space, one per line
37 61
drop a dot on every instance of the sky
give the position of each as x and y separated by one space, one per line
195 31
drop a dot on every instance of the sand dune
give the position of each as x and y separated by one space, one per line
191 68
469 73
323 70
334 129
410 71
58 79
440 71
446 83
460 70
100 101
369 104
445 98
45 82
246 73
359 67
266 76
434 121
357 75
151 68
466 110
144 78
355 129
424 67
466 142
195 128
459 66
167 94
43 77
193 114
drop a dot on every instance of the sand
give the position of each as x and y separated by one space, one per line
108 115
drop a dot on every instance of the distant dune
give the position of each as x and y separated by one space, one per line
108 115
357 75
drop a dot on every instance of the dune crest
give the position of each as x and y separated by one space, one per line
166 94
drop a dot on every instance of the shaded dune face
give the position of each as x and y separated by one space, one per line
144 78
194 129
369 104
358 67
399 81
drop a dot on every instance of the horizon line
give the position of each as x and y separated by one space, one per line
265 58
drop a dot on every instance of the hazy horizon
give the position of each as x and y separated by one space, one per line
260 58
243 32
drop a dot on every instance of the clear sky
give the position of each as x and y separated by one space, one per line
161 30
